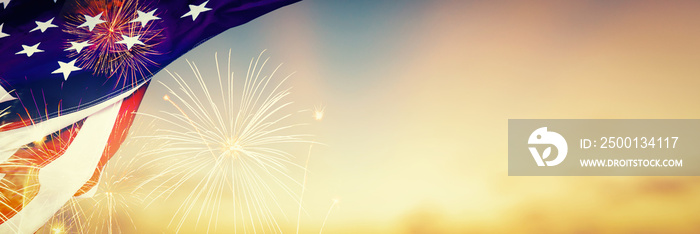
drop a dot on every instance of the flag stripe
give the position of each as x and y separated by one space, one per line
19 182
22 166
12 140
67 173
119 132
14 129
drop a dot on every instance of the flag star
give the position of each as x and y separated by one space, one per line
30 50
91 22
66 68
2 34
44 25
130 41
145 17
5 3
4 95
78 46
195 10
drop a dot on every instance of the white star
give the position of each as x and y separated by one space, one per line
2 34
6 2
195 10
145 17
78 46
5 96
66 68
130 41
44 25
90 22
30 50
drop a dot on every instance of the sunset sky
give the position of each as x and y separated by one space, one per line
417 98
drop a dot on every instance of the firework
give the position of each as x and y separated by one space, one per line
229 148
70 219
117 192
100 46
110 208
18 184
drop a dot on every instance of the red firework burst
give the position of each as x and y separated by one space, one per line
102 51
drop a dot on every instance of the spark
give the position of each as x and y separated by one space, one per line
40 141
318 112
303 188
116 193
57 229
69 219
233 148
17 186
335 201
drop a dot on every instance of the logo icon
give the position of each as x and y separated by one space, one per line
543 137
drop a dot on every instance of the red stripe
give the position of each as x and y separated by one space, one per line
118 135
17 124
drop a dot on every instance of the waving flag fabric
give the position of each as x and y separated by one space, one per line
72 73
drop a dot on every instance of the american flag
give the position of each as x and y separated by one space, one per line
71 76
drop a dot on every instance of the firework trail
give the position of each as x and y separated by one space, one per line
229 148
335 202
70 219
303 188
109 210
18 183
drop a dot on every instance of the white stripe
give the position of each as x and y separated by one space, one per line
12 140
5 96
62 178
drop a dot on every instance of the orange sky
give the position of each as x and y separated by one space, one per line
418 96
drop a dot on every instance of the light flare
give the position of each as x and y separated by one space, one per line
318 112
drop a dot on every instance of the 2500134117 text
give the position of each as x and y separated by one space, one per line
630 143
